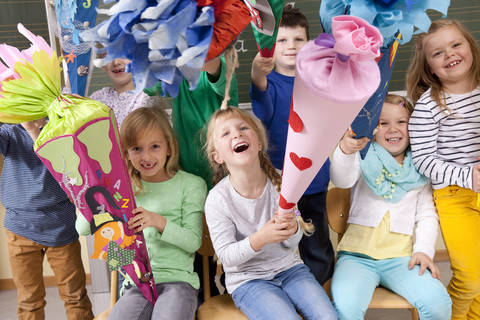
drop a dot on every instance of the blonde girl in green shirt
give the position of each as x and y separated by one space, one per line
169 211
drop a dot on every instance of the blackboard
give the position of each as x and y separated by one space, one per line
32 14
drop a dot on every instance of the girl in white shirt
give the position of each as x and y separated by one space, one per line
389 197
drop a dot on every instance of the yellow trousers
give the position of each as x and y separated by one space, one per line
460 225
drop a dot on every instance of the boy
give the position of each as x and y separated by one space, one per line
271 94
39 221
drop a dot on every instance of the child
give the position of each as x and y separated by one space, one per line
121 98
443 80
169 212
388 198
271 94
264 275
39 221
191 109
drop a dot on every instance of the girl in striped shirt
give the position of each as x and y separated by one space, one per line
443 81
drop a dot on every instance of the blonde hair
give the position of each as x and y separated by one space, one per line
143 121
399 100
419 77
220 170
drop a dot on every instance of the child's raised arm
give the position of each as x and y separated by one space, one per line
345 163
261 67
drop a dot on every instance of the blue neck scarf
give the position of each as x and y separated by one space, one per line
386 177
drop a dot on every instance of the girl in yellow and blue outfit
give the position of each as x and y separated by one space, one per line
443 80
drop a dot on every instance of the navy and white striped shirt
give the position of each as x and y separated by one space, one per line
446 144
36 206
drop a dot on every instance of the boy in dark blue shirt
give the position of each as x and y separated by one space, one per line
271 95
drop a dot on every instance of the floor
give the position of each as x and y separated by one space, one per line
54 309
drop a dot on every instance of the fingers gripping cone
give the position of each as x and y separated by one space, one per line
335 77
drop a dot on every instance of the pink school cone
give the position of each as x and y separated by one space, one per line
335 77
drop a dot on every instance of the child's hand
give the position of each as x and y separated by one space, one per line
289 217
143 218
425 262
261 67
350 145
272 232
212 67
476 177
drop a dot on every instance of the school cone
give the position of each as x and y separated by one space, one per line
81 148
335 77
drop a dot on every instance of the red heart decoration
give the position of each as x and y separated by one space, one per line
284 204
294 120
301 163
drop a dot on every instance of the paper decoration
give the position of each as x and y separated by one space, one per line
335 76
367 119
396 20
118 257
265 16
166 40
231 17
73 17
407 17
80 145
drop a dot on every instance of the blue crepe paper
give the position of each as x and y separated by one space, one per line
405 16
165 40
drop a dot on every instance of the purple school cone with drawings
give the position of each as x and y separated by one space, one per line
81 147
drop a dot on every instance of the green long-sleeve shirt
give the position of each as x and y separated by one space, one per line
181 201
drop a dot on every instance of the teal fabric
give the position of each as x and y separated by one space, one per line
386 177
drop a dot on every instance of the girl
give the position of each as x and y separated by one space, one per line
264 274
170 207
388 198
443 80
122 98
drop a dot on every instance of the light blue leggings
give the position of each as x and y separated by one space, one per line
356 277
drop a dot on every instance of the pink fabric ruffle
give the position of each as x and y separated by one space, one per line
328 76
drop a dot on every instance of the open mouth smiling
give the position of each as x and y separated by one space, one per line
148 165
454 63
241 147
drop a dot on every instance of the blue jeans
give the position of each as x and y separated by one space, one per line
316 251
176 301
356 277
279 298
